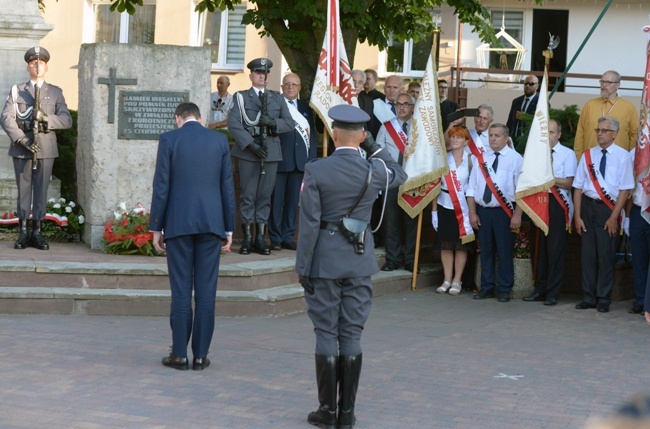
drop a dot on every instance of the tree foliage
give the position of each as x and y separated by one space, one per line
298 27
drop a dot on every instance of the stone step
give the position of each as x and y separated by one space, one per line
271 301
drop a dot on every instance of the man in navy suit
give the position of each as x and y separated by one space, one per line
298 147
193 203
527 103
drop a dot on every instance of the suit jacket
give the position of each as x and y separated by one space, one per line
52 103
294 151
277 109
330 187
193 189
516 106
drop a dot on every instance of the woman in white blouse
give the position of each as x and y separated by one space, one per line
450 216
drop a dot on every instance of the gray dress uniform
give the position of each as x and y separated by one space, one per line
342 287
33 184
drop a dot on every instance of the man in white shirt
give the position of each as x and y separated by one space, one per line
492 211
552 247
602 184
220 104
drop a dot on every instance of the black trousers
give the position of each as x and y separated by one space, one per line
552 251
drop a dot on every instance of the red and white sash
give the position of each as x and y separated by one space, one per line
488 175
600 185
476 149
461 209
564 203
397 134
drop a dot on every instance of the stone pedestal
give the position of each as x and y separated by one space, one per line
21 27
110 167
524 284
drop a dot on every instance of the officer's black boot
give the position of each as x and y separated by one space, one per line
260 244
245 248
37 240
350 369
23 237
325 416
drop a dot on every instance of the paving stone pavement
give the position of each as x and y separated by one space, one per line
430 361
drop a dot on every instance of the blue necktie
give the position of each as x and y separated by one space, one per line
603 163
392 107
487 194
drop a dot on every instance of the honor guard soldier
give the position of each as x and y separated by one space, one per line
336 257
34 109
257 117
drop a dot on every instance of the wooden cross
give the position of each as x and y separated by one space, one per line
113 81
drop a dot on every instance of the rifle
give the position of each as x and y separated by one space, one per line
263 114
37 106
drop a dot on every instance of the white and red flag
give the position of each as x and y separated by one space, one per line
537 170
425 158
642 154
333 83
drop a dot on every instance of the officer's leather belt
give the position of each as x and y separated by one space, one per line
594 200
332 226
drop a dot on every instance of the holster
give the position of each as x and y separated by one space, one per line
355 231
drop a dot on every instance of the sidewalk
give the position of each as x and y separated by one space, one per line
430 361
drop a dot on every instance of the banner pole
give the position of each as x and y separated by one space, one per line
417 253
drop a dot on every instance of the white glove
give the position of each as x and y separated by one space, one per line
434 220
626 225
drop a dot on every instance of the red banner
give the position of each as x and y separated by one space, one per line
642 155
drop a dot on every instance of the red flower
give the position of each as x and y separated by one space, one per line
125 222
142 239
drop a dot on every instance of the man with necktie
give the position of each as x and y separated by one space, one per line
257 149
33 143
602 184
490 197
298 147
525 104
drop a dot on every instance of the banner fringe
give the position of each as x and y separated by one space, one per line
416 183
539 223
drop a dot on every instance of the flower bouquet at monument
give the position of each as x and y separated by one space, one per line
64 221
523 242
128 233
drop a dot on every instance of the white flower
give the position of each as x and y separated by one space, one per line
51 200
122 206
57 206
118 215
62 200
72 204
82 219
68 209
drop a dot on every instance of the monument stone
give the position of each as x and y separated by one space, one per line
127 97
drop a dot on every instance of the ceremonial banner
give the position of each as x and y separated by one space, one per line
425 158
333 83
537 170
642 156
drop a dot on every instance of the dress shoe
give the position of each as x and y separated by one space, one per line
389 266
409 268
550 301
199 364
535 296
584 305
275 245
289 246
636 309
504 297
175 362
484 294
603 308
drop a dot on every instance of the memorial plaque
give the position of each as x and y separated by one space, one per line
144 115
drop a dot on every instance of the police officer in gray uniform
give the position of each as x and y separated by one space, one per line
335 260
33 157
257 147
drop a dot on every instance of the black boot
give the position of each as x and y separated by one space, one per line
350 369
260 244
245 248
23 237
325 416
37 240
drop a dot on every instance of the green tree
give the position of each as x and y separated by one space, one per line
299 28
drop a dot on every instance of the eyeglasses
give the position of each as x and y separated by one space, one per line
403 104
608 82
603 130
530 83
